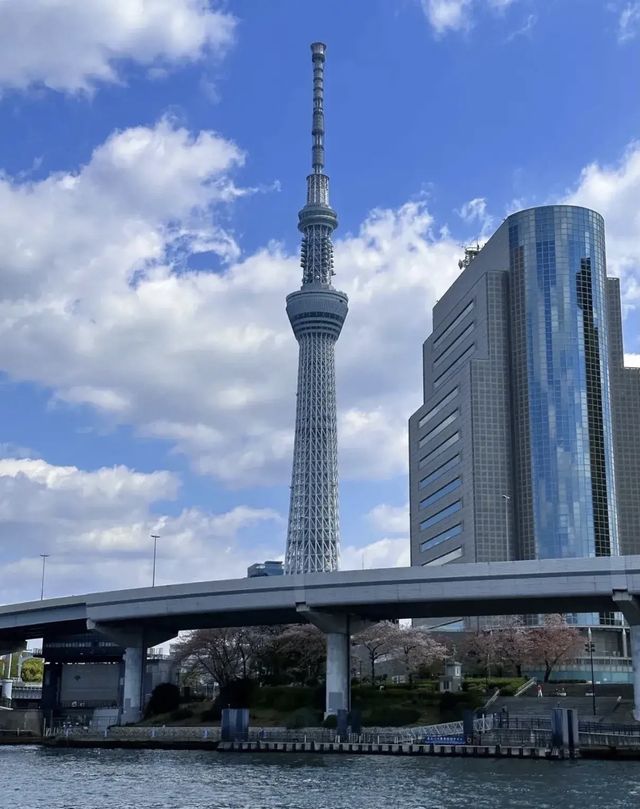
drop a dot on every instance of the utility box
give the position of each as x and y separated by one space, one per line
451 680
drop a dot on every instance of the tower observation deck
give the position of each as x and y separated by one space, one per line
316 313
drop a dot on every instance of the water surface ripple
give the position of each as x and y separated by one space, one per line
34 778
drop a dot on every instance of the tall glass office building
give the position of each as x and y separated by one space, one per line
563 438
527 445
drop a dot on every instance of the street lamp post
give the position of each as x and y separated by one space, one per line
589 646
44 556
155 538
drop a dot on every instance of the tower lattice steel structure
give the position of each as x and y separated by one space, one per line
316 313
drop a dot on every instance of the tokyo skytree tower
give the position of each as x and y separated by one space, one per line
316 313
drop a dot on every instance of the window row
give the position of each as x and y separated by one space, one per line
452 347
438 340
439 472
451 556
449 442
438 428
441 515
438 407
442 492
454 531
457 362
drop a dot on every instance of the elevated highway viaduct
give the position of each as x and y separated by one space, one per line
338 603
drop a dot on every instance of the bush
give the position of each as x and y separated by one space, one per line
180 714
330 721
212 714
164 699
391 716
303 718
289 698
237 694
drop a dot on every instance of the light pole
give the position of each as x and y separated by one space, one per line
44 556
589 646
507 498
155 538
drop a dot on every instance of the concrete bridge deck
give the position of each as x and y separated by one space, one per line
137 619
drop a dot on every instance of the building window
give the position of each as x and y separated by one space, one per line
439 472
437 408
454 531
439 339
445 558
441 515
452 347
455 364
449 442
438 428
449 487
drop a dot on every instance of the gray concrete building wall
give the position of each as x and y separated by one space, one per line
461 435
625 401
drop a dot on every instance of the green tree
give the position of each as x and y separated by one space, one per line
32 670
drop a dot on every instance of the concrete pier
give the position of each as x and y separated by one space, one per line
338 676
132 697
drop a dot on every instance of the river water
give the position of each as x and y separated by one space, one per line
34 778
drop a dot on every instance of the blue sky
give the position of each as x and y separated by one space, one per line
153 160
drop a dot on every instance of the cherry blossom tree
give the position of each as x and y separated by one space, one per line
416 648
377 640
514 642
554 642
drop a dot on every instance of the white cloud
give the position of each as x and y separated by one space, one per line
458 15
96 527
390 519
525 29
476 211
99 306
632 360
448 15
383 553
614 191
629 22
72 45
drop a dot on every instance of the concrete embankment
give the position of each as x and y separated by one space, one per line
330 748
130 744
21 740
406 749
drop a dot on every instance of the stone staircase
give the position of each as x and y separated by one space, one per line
609 710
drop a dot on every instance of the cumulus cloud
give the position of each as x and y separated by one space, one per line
73 45
390 519
614 191
99 305
95 525
388 552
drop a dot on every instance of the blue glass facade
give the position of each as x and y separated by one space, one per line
565 490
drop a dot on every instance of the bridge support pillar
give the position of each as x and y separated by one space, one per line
135 659
135 641
338 692
629 606
338 629
634 633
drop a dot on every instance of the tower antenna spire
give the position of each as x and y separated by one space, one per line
318 50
